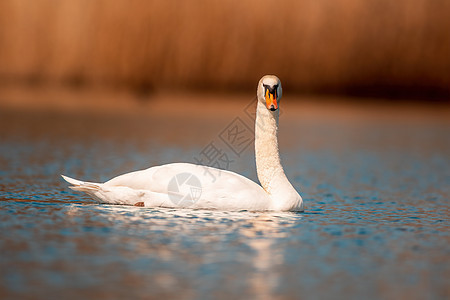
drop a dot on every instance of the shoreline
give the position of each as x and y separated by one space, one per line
96 101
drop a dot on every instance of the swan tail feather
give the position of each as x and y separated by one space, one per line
82 186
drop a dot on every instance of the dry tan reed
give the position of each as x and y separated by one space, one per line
366 46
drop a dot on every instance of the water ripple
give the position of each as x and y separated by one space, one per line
376 223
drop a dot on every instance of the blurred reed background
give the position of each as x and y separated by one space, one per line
379 48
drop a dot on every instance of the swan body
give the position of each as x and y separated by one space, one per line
180 185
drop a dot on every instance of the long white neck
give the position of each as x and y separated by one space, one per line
268 166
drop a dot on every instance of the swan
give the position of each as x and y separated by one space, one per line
185 185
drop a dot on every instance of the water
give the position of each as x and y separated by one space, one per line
376 223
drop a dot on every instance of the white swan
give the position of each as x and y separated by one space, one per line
188 185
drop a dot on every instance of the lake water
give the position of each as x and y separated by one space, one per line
376 223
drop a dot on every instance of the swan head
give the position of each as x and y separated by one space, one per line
269 92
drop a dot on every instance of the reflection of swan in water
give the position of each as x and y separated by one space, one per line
266 256
189 185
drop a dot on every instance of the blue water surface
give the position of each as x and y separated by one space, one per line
376 223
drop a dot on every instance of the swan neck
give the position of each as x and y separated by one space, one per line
268 166
270 171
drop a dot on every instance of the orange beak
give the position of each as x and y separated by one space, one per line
271 100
